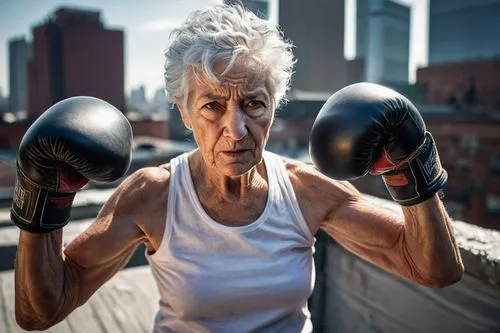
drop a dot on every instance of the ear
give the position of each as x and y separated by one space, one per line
184 113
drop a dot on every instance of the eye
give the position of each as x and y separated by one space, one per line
211 106
255 104
255 108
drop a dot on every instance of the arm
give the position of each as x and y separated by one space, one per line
418 244
51 282
368 128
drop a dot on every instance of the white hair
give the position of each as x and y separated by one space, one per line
226 32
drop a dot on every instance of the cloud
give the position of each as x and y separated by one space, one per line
159 25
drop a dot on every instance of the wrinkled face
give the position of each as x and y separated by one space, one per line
231 120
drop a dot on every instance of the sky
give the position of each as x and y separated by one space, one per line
147 24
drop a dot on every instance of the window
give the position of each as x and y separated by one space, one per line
493 203
464 194
469 142
495 164
462 165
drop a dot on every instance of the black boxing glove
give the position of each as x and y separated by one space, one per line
77 139
367 128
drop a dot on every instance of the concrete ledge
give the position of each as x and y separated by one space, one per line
354 296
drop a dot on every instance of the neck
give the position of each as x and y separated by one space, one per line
209 180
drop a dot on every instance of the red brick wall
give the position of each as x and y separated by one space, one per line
11 135
471 177
445 80
156 129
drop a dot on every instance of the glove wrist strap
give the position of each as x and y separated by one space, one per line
36 209
420 178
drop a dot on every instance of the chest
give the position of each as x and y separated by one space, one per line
229 282
235 213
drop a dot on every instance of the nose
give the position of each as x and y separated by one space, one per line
234 124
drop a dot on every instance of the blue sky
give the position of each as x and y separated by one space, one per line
147 24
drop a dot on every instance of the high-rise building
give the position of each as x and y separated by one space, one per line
19 55
462 30
74 54
316 28
258 7
138 97
383 40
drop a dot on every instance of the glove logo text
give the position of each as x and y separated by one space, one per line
20 196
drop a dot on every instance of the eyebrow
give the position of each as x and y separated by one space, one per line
210 95
251 95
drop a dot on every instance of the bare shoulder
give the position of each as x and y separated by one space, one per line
141 189
306 177
317 194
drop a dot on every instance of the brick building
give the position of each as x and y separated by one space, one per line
469 149
474 82
73 54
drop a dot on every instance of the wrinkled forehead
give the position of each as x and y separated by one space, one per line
246 74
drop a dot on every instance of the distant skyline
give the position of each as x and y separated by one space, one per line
147 25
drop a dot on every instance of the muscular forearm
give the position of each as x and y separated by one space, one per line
43 287
429 244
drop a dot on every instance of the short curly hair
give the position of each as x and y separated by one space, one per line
227 32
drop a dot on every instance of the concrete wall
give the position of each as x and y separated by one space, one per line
354 296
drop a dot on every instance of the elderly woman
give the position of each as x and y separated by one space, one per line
229 226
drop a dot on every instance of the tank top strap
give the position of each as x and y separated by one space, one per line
286 190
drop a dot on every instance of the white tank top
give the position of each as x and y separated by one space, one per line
216 278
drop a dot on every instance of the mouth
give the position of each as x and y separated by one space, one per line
235 152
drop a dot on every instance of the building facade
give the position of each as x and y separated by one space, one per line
383 40
462 30
19 55
316 28
467 83
74 54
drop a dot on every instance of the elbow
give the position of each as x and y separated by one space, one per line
31 324
30 318
444 279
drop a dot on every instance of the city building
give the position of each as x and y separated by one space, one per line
382 42
466 83
316 28
19 55
462 30
137 99
74 54
258 7
160 105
